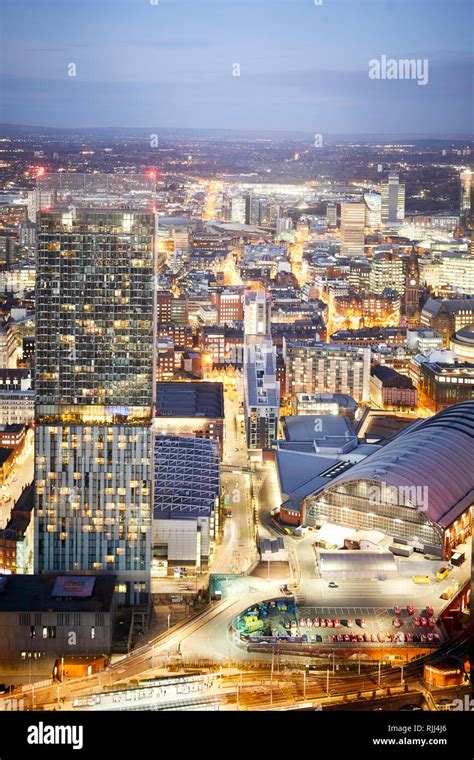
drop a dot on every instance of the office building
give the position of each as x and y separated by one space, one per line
387 271
391 390
447 316
95 348
186 500
352 229
393 200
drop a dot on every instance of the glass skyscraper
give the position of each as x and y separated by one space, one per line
95 337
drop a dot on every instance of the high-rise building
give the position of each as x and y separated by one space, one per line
387 271
393 200
261 387
257 312
261 392
352 229
467 190
238 212
95 337
331 215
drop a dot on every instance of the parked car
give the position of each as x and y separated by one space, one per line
431 622
316 622
396 622
333 585
429 610
397 611
373 637
410 609
347 637
423 621
409 637
349 623
362 623
329 623
417 621
336 623
322 623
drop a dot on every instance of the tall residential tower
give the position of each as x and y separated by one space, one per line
95 337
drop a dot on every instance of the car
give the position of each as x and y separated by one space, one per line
429 610
366 637
336 623
354 638
416 637
333 585
423 621
410 609
236 449
435 636
400 637
304 638
397 611
340 637
442 573
422 638
312 637
228 513
396 622
421 579
15 479
431 622
329 623
417 621
360 637
409 637
388 637
349 623
316 622
430 638
322 623
333 637
447 594
362 623
373 637
303 623
4 688
381 637
319 638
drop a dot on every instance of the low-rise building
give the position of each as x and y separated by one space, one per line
52 616
391 390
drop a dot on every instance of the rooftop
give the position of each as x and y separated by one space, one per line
194 399
34 593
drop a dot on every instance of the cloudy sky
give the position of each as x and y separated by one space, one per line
169 63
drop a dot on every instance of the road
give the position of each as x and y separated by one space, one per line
237 549
20 476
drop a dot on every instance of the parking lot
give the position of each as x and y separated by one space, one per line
369 625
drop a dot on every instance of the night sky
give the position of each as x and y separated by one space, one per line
303 67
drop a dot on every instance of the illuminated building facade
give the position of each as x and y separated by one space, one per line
313 367
393 200
95 336
417 488
352 229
